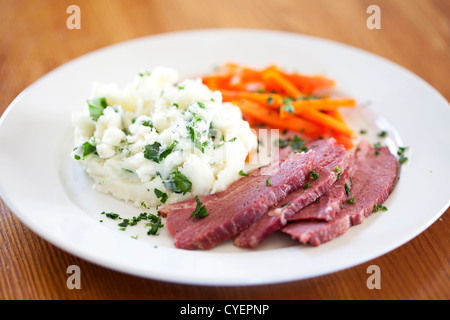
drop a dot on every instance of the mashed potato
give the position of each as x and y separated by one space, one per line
159 140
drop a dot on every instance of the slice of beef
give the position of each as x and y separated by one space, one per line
328 156
373 180
233 210
325 207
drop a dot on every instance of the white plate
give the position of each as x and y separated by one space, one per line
44 187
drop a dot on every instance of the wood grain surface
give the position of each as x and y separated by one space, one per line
34 39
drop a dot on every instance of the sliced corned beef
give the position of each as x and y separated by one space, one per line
328 156
233 210
325 207
373 180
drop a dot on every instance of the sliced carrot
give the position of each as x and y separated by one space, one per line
327 121
270 100
272 118
283 82
309 84
324 104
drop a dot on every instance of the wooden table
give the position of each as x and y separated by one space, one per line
34 39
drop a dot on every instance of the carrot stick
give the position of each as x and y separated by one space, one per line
343 139
324 119
321 104
269 100
309 84
284 83
272 119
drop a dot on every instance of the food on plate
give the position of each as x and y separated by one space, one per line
341 189
160 139
375 170
285 100
235 209
187 147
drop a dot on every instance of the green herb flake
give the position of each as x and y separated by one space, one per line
401 150
151 151
402 159
111 215
178 183
297 143
201 105
379 207
306 186
351 201
162 196
200 210
314 174
268 182
383 134
155 153
347 189
243 174
96 107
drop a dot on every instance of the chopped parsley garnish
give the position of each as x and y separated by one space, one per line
288 108
306 186
269 100
111 215
298 144
162 196
195 136
167 151
286 204
351 201
155 221
155 153
314 174
383 134
144 73
87 149
347 189
268 182
401 150
283 143
402 159
379 207
243 174
200 210
363 131
154 225
377 146
178 183
151 151
96 107
201 105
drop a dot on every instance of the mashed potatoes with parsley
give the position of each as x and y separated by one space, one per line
160 140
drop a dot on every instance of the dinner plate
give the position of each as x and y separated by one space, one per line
53 196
